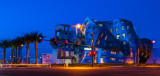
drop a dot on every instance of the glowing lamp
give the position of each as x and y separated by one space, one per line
153 41
78 25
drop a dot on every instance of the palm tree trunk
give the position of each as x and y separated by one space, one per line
19 57
35 43
4 60
16 55
12 57
27 53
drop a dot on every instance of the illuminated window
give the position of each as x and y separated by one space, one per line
106 37
104 50
102 35
117 36
113 59
58 33
61 53
111 30
86 23
124 42
100 24
116 29
96 49
113 52
123 35
72 53
128 27
121 60
122 27
98 41
67 53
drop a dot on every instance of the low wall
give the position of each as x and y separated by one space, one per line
24 65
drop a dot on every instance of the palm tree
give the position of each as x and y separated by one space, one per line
36 37
19 42
27 39
4 44
12 46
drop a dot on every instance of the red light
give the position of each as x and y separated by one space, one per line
47 56
90 53
94 52
55 40
76 43
66 41
153 41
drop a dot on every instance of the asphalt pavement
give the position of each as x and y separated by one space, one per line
81 71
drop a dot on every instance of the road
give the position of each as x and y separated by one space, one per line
82 71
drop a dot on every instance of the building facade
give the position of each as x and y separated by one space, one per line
114 42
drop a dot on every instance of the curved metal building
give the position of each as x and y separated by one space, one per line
114 42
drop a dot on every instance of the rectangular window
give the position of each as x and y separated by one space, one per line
117 37
128 27
123 35
103 56
130 41
86 23
66 28
62 27
121 60
67 53
111 30
72 53
113 52
58 34
96 49
122 27
104 50
95 28
100 24
116 29
129 34
106 37
124 42
113 59
70 28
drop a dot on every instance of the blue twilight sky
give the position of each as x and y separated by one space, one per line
17 16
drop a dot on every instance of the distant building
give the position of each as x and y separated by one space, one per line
115 42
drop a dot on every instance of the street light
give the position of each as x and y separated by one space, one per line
92 47
78 26
153 41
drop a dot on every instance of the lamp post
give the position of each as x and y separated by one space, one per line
92 47
78 26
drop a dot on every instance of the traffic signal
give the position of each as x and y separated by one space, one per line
66 42
55 41
76 44
94 53
90 53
